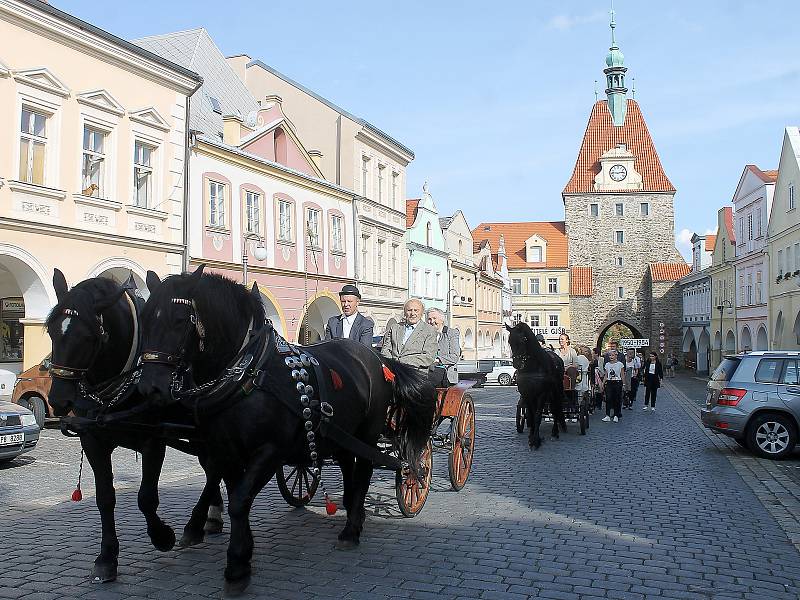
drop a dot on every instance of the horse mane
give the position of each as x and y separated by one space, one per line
82 298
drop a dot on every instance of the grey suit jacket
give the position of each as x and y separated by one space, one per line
418 351
449 349
361 331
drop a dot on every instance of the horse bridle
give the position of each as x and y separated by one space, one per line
177 360
78 373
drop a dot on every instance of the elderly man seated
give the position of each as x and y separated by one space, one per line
411 341
443 371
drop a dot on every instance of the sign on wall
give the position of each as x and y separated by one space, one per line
12 305
634 342
549 332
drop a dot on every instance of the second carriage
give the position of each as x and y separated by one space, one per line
577 406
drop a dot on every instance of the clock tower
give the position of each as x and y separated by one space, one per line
620 226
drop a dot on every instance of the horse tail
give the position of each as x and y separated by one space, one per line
415 405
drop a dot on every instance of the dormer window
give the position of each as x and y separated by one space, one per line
535 254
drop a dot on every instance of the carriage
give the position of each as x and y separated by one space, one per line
576 408
453 431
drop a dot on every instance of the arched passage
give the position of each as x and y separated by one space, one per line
703 353
747 340
312 326
120 269
730 342
688 338
496 346
761 339
273 312
796 330
777 340
469 339
615 331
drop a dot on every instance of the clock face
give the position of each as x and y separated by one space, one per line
618 172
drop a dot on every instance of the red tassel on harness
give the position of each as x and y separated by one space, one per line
337 380
330 506
77 495
387 373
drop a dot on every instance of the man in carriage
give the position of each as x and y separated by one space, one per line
444 371
350 324
411 341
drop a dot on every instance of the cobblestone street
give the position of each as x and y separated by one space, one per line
652 507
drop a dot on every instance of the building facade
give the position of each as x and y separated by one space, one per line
427 253
752 205
489 299
92 166
537 268
784 248
462 296
723 288
354 154
261 210
619 217
697 306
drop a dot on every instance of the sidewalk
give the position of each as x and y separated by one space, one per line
776 484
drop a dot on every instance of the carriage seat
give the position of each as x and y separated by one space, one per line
570 378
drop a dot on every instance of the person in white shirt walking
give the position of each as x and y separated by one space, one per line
613 386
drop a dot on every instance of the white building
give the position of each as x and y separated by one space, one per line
752 205
697 309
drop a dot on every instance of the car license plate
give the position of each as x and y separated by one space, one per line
12 439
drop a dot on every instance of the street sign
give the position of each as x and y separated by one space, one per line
634 342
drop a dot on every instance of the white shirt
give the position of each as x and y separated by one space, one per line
583 367
347 324
407 334
652 368
613 371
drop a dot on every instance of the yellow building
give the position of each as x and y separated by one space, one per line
92 166
783 235
723 289
537 266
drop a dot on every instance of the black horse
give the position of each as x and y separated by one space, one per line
95 330
203 323
540 381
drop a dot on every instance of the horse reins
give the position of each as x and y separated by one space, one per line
176 360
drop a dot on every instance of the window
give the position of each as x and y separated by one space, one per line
428 234
32 146
533 285
437 290
741 230
759 226
749 289
619 209
394 189
365 264
594 210
620 292
393 270
534 320
536 254
415 282
312 223
619 237
380 182
216 204
553 320
796 257
337 233
769 370
285 221
93 161
143 177
552 285
750 227
759 290
619 261
791 196
644 209
791 374
516 286
780 262
428 292
252 205
364 174
379 262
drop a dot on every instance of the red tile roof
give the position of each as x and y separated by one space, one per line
411 212
601 136
516 234
711 241
770 176
728 217
669 271
580 281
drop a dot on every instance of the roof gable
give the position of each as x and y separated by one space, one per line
149 116
411 212
580 281
751 180
601 135
781 218
103 100
42 78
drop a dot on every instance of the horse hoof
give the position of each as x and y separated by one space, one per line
163 539
190 539
104 573
346 545
213 526
234 589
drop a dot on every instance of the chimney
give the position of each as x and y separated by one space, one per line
232 130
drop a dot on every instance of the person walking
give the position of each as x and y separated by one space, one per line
671 360
613 386
653 374
596 370
632 367
582 385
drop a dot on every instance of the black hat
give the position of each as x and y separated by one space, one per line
540 338
350 290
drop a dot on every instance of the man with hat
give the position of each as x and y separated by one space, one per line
350 324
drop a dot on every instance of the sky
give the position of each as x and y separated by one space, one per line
494 97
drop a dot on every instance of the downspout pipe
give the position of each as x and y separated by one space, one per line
188 145
356 240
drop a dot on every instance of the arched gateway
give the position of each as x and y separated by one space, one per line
616 331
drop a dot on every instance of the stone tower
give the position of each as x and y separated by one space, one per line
620 225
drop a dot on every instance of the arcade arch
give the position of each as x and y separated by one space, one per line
615 331
761 339
747 339
312 326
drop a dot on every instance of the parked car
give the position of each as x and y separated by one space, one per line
755 399
475 370
19 432
32 390
503 372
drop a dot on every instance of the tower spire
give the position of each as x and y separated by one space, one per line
615 70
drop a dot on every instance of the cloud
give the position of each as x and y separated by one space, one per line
683 241
565 22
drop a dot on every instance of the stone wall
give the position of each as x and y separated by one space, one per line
591 241
667 309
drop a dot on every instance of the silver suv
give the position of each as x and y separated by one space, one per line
755 399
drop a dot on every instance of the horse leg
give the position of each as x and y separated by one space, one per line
356 515
207 513
161 534
534 413
99 456
347 465
242 491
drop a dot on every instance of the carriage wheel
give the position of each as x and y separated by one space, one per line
462 443
297 484
411 492
520 418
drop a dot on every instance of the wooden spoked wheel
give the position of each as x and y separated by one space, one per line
297 484
520 418
462 443
412 492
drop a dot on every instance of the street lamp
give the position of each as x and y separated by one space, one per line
260 251
721 308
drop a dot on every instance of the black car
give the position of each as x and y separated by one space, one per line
19 432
